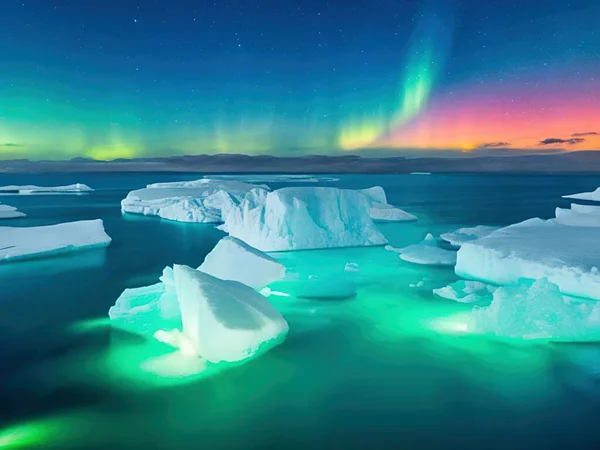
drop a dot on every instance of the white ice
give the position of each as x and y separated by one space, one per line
462 235
10 212
578 216
533 249
420 173
31 189
535 310
427 252
232 259
375 194
380 210
326 288
225 320
593 196
17 243
466 291
187 201
298 218
252 178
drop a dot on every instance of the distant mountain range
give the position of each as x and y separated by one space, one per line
568 162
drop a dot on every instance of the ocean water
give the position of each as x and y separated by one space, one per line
391 368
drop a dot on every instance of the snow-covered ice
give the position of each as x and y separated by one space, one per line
298 218
376 194
17 243
462 235
232 259
578 216
381 212
32 189
10 212
593 196
200 200
326 288
427 252
466 291
534 310
534 249
225 320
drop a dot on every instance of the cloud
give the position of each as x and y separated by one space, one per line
550 141
9 144
588 133
495 145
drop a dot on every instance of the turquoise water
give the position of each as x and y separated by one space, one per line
388 369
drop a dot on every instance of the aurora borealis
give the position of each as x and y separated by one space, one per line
108 79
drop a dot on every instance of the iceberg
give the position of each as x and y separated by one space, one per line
462 235
578 216
234 260
299 218
10 212
593 196
427 252
225 320
534 310
567 256
380 212
326 288
18 243
375 194
31 189
466 291
188 201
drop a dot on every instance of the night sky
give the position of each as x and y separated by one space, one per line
109 79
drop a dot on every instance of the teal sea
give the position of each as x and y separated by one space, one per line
390 368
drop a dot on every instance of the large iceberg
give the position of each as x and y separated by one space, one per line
187 201
17 243
234 260
10 212
32 189
225 320
593 196
462 235
534 249
297 218
535 310
427 252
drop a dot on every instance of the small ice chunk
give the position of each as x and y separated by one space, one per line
302 218
465 291
17 243
534 249
593 196
225 320
380 212
578 216
531 310
10 212
326 288
31 189
351 267
428 253
462 235
232 259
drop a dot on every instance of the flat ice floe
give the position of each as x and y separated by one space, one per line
10 212
462 235
567 256
18 243
380 210
234 260
578 216
275 178
187 201
427 252
225 320
593 196
31 189
466 291
299 218
535 310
